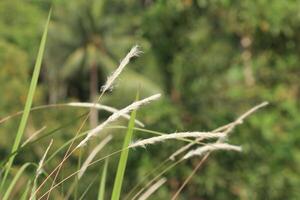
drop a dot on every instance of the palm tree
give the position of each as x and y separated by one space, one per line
79 38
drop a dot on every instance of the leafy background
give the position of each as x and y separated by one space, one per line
212 60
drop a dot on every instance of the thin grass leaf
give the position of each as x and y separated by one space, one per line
87 189
76 178
123 159
166 169
101 193
32 136
29 100
39 171
14 181
90 158
26 192
52 132
33 189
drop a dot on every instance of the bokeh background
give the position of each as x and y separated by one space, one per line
211 59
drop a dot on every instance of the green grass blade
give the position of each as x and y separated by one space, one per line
101 193
76 181
123 159
14 181
26 192
33 189
28 145
29 100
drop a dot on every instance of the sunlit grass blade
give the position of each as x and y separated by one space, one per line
29 100
14 181
123 159
101 192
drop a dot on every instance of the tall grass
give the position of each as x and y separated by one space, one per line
123 159
142 190
28 103
14 181
101 192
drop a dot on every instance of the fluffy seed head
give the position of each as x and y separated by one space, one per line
203 135
102 107
116 115
134 52
212 147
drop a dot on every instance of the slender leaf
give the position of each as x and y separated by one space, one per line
76 181
87 189
123 159
29 100
52 132
101 193
26 192
14 181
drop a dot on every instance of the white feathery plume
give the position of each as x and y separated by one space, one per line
152 189
212 147
134 52
102 107
228 127
187 146
93 154
203 135
116 115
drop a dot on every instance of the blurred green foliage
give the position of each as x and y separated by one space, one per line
212 60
